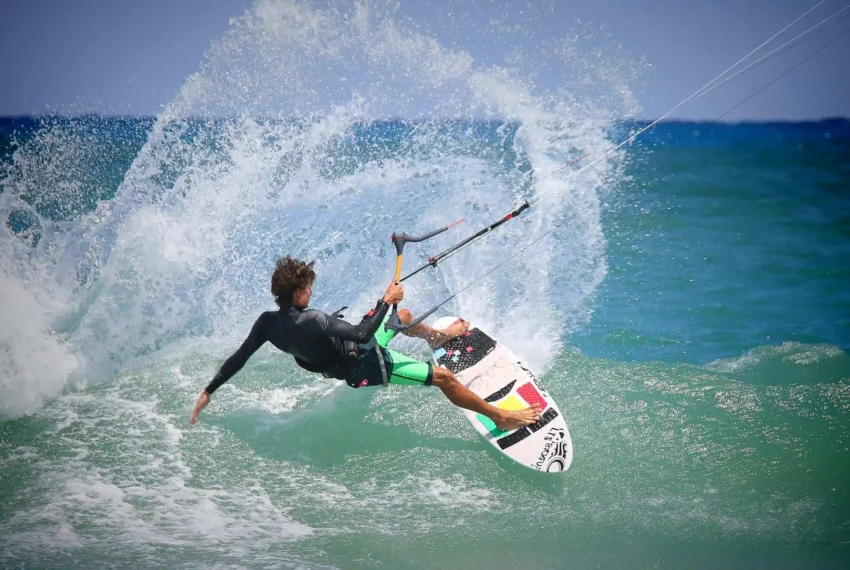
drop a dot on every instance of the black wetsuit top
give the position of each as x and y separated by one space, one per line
318 341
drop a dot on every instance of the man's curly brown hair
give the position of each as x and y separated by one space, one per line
290 275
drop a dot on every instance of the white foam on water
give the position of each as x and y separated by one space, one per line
34 362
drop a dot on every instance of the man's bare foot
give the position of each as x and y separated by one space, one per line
456 329
518 418
439 337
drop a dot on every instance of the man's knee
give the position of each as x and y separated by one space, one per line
405 316
443 377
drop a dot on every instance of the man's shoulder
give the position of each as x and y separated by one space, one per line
266 319
317 316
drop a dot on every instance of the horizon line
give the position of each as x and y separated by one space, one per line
824 119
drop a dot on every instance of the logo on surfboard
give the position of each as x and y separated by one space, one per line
553 457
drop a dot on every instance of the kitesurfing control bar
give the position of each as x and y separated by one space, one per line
481 277
400 239
435 259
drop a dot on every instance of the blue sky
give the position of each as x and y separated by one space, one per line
130 58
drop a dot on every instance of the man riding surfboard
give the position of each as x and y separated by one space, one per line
357 354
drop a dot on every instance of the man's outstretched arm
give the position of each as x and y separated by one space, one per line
232 365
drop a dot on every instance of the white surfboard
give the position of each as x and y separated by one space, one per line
497 375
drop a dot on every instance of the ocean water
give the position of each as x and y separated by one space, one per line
692 317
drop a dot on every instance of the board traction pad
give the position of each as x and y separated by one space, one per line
465 351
